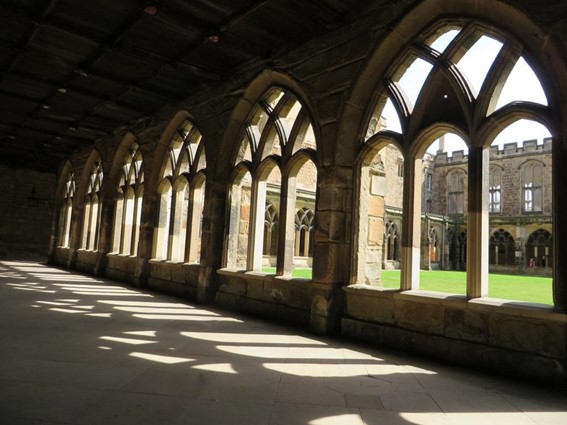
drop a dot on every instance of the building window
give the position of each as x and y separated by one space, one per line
532 187
455 192
392 245
495 190
271 221
126 229
304 227
91 217
277 134
428 182
66 211
502 249
539 246
400 168
181 196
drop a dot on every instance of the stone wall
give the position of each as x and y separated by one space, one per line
26 212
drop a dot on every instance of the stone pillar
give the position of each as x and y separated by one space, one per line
477 223
212 240
411 223
150 205
287 243
559 177
256 230
56 224
104 234
332 253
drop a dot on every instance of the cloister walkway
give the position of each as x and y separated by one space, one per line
76 349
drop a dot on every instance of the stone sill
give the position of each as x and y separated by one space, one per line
494 305
172 263
265 277
116 255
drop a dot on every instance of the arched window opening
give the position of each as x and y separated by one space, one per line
179 219
239 221
380 205
304 227
469 70
91 218
520 173
66 211
521 85
269 189
476 62
392 246
539 249
384 117
440 40
179 224
303 204
196 219
127 211
502 249
443 178
414 73
277 144
161 234
271 221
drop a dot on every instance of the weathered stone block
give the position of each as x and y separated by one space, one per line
375 231
233 285
368 308
468 325
421 316
527 334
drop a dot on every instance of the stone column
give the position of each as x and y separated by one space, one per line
559 177
411 225
104 234
332 251
287 243
256 229
477 223
212 240
150 204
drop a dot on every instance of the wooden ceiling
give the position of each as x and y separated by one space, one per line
73 71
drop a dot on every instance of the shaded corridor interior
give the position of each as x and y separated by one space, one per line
76 349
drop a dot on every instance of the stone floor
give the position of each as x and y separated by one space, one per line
81 350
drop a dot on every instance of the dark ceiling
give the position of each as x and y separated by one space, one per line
73 71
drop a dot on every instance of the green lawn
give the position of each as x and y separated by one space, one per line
305 273
508 287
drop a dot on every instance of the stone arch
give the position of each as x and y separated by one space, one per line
251 96
82 183
502 248
162 148
113 177
431 14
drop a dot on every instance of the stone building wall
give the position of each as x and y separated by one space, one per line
26 211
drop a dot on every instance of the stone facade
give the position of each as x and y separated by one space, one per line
25 215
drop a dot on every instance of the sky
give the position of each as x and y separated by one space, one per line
522 84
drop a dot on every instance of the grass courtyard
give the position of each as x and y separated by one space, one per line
509 287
